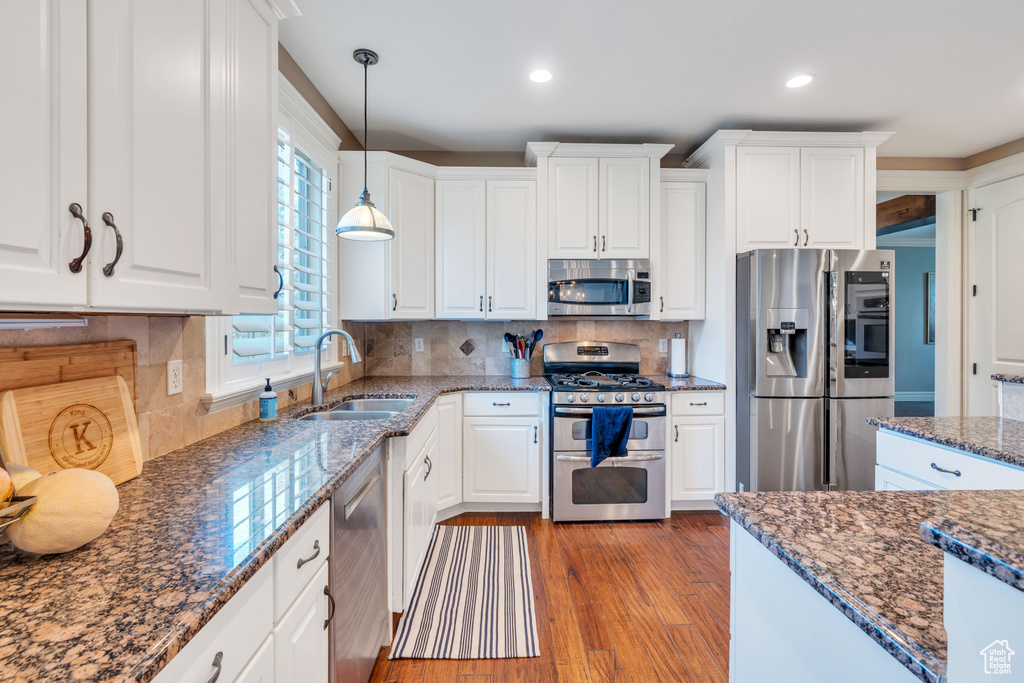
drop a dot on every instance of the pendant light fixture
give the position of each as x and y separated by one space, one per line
364 222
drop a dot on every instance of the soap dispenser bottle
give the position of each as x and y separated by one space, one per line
268 403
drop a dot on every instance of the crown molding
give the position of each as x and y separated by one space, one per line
390 159
285 9
295 106
713 145
774 138
696 175
537 150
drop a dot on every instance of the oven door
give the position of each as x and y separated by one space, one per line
572 427
626 488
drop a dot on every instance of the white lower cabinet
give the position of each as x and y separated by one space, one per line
260 668
904 462
420 511
501 459
890 480
448 464
697 445
301 642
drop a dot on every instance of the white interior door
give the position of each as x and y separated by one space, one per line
625 209
43 49
996 323
461 257
511 249
572 208
149 74
412 249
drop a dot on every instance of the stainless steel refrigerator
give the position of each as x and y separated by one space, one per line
814 360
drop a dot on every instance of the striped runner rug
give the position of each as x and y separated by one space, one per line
473 598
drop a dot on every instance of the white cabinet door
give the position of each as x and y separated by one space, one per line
461 258
260 668
625 206
832 197
511 249
681 281
43 48
572 208
767 197
412 249
448 464
888 480
149 70
251 138
501 459
698 457
420 510
301 639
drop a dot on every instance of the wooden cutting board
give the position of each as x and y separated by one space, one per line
89 424
31 366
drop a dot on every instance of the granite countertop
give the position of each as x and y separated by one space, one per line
1012 379
989 535
997 438
189 534
691 383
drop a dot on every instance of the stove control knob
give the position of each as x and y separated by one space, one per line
618 398
648 397
570 398
584 398
600 398
636 398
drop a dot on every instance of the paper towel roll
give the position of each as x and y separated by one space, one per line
677 358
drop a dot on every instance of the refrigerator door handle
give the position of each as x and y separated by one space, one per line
833 335
834 456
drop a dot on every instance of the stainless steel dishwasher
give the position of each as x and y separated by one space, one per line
362 622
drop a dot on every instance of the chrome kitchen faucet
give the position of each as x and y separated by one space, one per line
320 386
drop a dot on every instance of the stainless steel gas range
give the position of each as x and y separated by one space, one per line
584 375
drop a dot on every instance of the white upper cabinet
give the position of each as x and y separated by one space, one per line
767 197
808 196
43 47
832 197
680 294
146 115
511 249
573 223
625 208
412 249
486 249
461 254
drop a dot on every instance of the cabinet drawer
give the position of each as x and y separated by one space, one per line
507 403
312 540
915 459
698 403
236 632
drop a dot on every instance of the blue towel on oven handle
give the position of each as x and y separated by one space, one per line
609 432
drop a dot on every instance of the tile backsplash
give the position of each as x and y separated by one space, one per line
170 422
473 348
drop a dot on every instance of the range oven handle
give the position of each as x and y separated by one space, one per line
642 412
628 458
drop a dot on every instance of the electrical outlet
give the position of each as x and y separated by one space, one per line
174 378
663 346
418 344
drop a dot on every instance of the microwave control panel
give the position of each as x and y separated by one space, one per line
641 292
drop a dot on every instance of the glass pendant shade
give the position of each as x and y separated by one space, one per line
364 222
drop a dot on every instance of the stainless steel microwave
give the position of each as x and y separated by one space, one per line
599 287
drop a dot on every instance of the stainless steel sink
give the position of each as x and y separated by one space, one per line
350 414
375 404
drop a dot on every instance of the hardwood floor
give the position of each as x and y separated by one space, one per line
616 602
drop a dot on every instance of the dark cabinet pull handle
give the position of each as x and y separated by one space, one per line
280 281
481 303
698 404
595 244
394 306
604 243
796 242
805 237
330 612
945 471
218 664
490 304
535 433
501 404
76 264
316 554
662 303
677 433
430 466
108 269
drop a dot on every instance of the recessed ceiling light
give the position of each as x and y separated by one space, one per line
540 76
799 80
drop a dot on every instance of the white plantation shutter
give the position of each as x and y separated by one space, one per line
270 345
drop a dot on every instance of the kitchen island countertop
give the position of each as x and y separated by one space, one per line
119 608
995 438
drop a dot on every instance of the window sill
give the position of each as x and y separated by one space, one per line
250 391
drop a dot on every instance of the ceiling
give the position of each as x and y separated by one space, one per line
945 76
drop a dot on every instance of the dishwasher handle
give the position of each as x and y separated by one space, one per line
350 507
